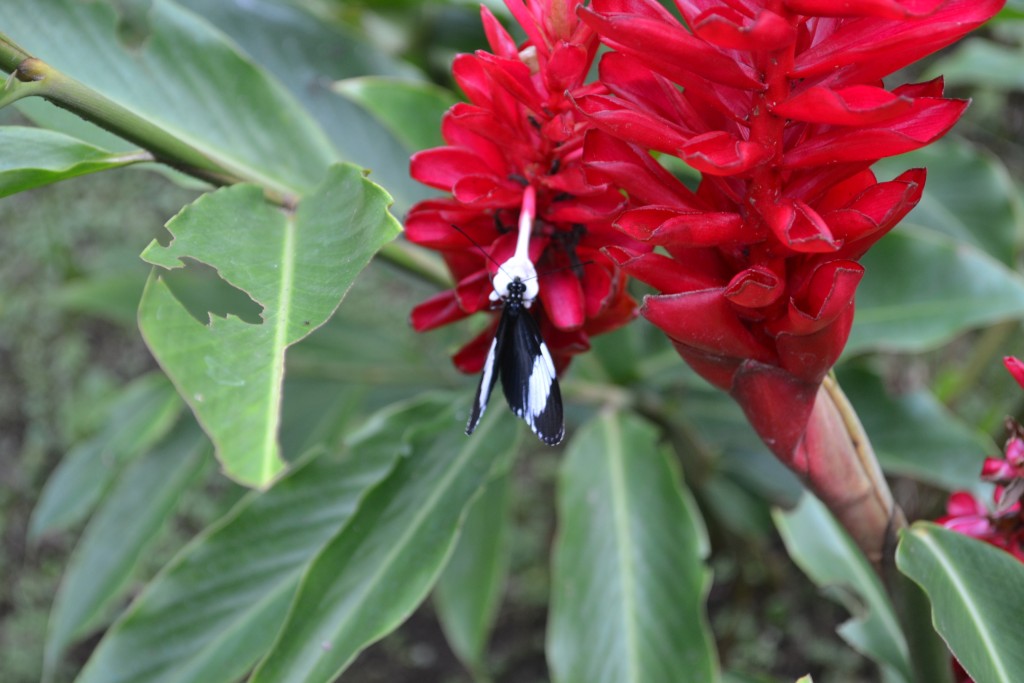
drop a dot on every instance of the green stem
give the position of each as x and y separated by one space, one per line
11 54
983 354
32 77
417 261
67 93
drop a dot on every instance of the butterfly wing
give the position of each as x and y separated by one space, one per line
489 376
528 376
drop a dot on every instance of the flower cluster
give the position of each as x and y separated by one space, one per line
1003 525
518 144
781 107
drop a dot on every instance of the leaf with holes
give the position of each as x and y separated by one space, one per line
295 265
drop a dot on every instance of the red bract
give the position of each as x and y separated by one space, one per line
520 129
1002 527
1016 369
782 110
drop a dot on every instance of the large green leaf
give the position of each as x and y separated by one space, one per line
375 572
370 344
977 596
742 479
982 62
629 579
117 536
820 546
33 157
913 434
411 110
921 289
317 53
140 416
112 296
296 265
215 609
469 590
969 196
186 79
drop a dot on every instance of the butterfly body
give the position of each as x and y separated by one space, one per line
519 356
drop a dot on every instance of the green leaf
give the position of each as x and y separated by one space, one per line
369 344
111 296
139 418
981 63
921 289
186 79
411 110
969 197
375 572
977 596
320 52
743 478
215 609
33 157
629 580
118 535
824 551
296 266
469 590
913 434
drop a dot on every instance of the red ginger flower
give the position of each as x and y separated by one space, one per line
1003 526
783 111
521 130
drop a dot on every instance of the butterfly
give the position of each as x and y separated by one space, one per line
519 355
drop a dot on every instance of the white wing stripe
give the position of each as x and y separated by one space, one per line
485 381
539 385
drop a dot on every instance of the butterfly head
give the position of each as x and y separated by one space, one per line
516 278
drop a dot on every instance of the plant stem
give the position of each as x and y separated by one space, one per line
929 658
33 77
417 261
982 355
11 55
67 93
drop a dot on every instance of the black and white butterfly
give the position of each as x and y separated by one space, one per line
519 355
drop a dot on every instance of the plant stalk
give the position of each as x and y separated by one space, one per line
33 77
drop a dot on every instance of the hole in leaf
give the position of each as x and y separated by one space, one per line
203 292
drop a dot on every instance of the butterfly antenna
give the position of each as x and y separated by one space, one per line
476 244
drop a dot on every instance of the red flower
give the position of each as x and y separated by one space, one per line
1003 527
520 135
783 111
1016 369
